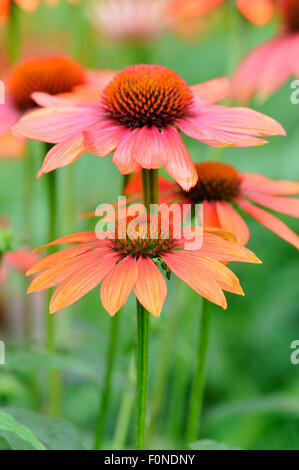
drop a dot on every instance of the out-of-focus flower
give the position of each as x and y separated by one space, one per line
55 75
272 63
258 12
27 5
130 20
129 260
11 256
138 116
221 188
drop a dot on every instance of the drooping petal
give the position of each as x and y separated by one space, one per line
258 12
103 137
151 148
56 124
82 281
150 288
212 91
285 205
210 216
46 100
190 272
231 220
62 155
262 184
123 157
271 222
118 284
180 165
8 117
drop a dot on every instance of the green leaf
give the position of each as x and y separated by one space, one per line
57 434
8 426
207 444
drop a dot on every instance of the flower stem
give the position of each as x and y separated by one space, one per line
109 372
13 34
197 391
142 372
54 375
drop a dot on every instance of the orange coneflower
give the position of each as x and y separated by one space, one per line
128 259
272 63
221 188
54 75
138 116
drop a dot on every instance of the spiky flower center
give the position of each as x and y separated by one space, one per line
216 182
143 95
143 236
290 12
51 75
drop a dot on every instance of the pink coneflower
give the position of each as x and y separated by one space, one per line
129 261
138 117
272 63
55 75
221 189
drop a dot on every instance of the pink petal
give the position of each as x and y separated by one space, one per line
123 157
150 288
180 165
62 154
56 124
150 149
211 91
285 205
262 184
8 116
271 222
103 137
189 270
232 221
48 101
80 282
118 284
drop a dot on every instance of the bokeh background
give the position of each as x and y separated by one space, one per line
252 394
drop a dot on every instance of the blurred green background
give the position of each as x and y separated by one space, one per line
252 395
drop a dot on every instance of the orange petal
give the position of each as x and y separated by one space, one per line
285 205
210 216
150 289
118 284
82 281
79 237
188 269
212 91
271 222
262 184
258 12
231 220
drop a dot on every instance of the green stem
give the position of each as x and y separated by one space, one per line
125 411
13 34
107 387
197 391
150 196
142 373
54 375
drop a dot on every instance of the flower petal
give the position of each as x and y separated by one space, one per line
285 205
79 237
210 216
123 157
188 269
231 220
262 184
8 117
83 280
118 284
62 155
45 100
150 288
271 222
150 149
180 165
211 91
258 12
56 124
103 137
